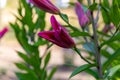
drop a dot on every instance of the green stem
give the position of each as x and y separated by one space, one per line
78 52
48 46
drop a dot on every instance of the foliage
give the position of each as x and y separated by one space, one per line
26 26
98 44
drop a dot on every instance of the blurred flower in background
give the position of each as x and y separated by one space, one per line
3 31
62 3
3 3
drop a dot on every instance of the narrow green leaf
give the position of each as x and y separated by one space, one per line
93 73
111 59
76 34
26 76
112 39
113 70
93 6
80 69
52 73
21 66
64 17
24 57
47 58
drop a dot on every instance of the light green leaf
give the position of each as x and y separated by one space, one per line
112 39
114 70
111 59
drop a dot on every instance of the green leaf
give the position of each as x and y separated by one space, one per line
113 70
52 73
77 34
47 58
93 7
106 3
93 73
26 76
112 39
24 57
115 13
64 17
40 42
111 59
80 69
22 66
105 53
105 15
114 46
40 22
44 74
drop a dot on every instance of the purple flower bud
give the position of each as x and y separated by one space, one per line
58 35
46 5
107 28
82 17
2 32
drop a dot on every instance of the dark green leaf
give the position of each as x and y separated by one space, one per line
105 15
26 76
64 17
24 57
47 58
93 7
93 73
105 53
76 34
80 69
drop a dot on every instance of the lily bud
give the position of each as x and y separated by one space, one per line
82 16
45 5
107 28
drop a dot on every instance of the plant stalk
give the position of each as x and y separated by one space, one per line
78 52
97 48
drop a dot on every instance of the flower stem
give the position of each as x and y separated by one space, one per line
97 48
78 52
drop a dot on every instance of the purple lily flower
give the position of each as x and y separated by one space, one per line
82 17
46 5
58 35
2 32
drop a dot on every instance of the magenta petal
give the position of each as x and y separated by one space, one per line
54 23
82 17
49 35
79 10
2 33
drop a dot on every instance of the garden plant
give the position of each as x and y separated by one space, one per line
98 33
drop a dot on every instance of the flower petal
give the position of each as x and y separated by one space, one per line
54 23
